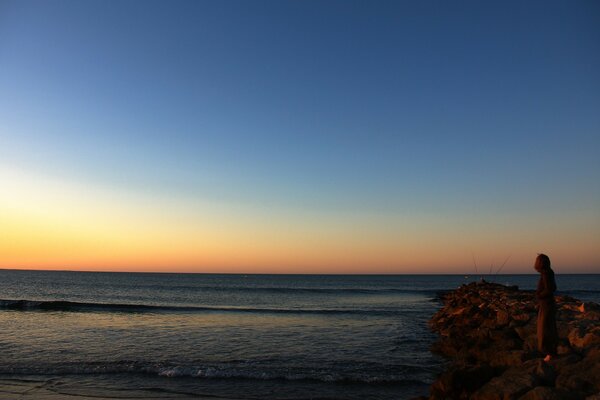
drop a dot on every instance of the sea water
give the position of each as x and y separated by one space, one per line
141 335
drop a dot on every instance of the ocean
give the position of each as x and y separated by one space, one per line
292 337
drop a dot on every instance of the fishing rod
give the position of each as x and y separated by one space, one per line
503 264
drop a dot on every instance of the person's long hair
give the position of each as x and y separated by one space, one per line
542 262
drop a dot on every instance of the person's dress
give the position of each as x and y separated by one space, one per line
547 334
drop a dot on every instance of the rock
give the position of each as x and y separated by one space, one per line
507 358
459 382
581 338
547 393
563 349
526 331
502 318
564 329
528 334
488 332
563 361
509 386
582 376
522 318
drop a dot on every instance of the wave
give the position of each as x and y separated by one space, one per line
359 374
73 306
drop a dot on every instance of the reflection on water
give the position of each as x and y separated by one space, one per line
331 336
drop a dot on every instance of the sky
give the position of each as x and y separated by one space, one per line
299 136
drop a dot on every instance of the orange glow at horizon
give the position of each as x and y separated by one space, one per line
47 223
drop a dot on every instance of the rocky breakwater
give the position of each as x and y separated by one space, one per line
488 334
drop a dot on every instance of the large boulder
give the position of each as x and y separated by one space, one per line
458 383
582 376
509 386
548 393
584 335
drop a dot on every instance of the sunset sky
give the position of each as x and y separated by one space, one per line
299 136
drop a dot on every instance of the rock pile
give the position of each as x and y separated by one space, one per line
488 333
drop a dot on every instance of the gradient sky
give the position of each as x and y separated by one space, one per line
299 136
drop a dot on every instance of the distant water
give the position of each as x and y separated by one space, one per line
230 336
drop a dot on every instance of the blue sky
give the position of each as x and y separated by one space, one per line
445 109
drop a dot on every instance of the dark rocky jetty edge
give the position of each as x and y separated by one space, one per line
488 335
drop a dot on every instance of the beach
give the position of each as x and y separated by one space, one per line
115 335
285 200
45 388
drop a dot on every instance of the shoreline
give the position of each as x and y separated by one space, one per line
95 387
51 388
488 336
141 386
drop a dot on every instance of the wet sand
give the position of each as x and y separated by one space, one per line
57 389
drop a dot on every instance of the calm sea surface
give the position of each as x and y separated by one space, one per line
229 336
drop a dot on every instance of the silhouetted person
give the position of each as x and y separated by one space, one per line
547 334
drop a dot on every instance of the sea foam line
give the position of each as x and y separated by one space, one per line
73 306
360 374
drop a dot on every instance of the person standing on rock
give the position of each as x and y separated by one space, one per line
547 334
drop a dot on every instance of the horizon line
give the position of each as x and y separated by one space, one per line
283 273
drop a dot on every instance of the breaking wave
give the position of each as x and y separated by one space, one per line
73 306
407 374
